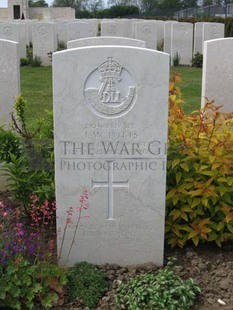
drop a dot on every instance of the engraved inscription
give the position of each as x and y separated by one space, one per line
7 31
183 31
110 184
111 29
42 30
110 90
214 30
113 229
146 30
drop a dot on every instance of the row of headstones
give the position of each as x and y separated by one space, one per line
171 37
110 131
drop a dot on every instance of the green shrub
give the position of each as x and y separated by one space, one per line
36 62
18 284
10 144
25 285
61 46
164 291
199 174
28 157
86 283
53 280
176 59
30 53
197 60
24 62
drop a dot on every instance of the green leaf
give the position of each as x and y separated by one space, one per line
230 228
178 177
196 240
195 202
220 226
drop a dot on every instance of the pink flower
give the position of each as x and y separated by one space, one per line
68 220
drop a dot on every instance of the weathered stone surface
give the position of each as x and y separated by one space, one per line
9 84
146 31
217 75
95 41
44 39
198 38
110 110
168 35
213 31
182 42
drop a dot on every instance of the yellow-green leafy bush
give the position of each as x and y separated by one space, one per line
200 174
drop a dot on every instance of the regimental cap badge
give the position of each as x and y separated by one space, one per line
110 90
110 69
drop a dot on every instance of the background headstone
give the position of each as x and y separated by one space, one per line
168 36
182 42
110 118
9 84
213 31
217 74
78 30
44 40
198 38
105 41
147 32
14 31
112 28
160 34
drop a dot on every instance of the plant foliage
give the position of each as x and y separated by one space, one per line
86 283
197 60
164 291
28 156
199 174
176 59
25 285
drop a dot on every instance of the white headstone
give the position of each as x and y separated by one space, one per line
112 29
160 33
168 35
29 24
105 41
23 40
147 32
110 112
94 24
213 31
9 78
13 31
198 38
78 30
127 25
44 40
217 74
62 31
182 42
9 84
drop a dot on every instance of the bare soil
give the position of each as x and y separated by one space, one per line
211 267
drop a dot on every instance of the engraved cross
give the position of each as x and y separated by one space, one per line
110 184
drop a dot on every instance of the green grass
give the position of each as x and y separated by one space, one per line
36 88
190 87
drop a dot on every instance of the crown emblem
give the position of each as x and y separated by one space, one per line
110 69
110 90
